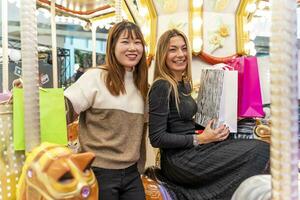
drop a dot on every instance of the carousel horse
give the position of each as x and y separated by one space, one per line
154 188
262 131
73 141
53 172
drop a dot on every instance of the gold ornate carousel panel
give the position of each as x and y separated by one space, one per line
219 38
220 29
172 14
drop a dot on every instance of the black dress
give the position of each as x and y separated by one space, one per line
205 172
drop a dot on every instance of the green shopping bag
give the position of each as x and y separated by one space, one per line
52 117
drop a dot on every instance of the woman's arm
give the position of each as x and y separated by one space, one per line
71 115
158 119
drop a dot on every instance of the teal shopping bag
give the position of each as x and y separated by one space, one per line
52 117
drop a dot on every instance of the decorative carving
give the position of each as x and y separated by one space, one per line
54 172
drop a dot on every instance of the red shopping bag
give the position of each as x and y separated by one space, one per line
249 91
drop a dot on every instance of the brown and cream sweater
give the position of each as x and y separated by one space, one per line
109 126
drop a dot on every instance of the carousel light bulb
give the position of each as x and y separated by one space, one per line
46 14
262 5
107 26
18 4
64 3
251 8
197 44
197 3
83 9
71 6
249 26
70 20
251 45
76 21
77 7
197 23
145 30
259 13
82 23
144 11
101 26
57 19
124 15
147 49
63 19
252 36
246 46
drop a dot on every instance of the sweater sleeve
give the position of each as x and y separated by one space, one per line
82 93
158 119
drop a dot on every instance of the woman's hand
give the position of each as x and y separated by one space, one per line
18 83
213 135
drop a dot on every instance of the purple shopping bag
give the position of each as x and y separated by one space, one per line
249 92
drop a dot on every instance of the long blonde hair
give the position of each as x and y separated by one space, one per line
114 79
162 71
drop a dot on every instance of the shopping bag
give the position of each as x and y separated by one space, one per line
249 91
11 161
52 117
217 98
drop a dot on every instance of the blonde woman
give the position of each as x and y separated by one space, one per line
207 166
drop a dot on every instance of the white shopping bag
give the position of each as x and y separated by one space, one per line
217 98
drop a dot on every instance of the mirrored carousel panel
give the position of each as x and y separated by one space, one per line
221 29
219 38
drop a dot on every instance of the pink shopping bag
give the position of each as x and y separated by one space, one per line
249 91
